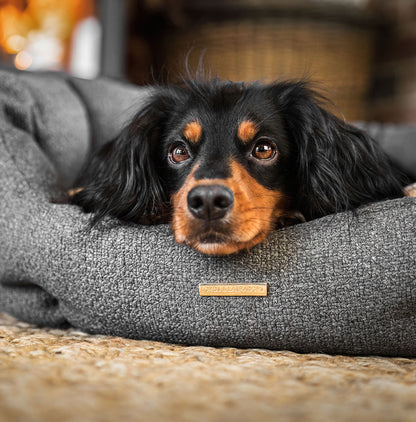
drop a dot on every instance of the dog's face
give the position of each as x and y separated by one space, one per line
226 163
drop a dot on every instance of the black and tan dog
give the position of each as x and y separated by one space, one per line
225 163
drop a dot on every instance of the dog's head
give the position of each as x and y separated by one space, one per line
227 162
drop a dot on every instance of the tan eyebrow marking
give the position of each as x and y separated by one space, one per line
247 130
192 131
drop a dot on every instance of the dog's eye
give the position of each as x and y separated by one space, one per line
178 153
264 150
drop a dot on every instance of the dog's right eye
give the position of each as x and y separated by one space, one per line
178 153
264 149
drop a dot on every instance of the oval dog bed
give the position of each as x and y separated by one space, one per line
345 283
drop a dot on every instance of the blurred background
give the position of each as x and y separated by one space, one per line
360 53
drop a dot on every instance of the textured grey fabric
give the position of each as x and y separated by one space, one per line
341 284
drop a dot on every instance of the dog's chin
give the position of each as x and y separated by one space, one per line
221 245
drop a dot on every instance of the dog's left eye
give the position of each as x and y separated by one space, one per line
264 150
178 153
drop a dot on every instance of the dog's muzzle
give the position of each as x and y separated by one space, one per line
210 202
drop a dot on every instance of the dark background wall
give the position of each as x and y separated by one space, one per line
361 54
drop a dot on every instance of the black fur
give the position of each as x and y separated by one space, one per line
338 166
325 165
122 179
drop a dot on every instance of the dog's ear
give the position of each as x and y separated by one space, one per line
122 179
338 166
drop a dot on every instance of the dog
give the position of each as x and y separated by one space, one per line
226 163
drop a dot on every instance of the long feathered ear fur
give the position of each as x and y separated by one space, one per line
122 180
339 167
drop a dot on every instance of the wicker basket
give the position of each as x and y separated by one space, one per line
335 55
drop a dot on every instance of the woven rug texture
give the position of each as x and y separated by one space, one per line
67 375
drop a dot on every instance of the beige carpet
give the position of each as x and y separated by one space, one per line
54 375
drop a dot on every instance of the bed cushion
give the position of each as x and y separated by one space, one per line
345 283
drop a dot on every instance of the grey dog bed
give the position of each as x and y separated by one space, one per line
342 284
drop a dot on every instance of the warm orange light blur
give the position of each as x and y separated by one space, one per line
22 23
14 44
23 60
13 22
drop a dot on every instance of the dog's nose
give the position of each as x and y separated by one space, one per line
210 202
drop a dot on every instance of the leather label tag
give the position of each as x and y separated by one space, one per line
233 289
